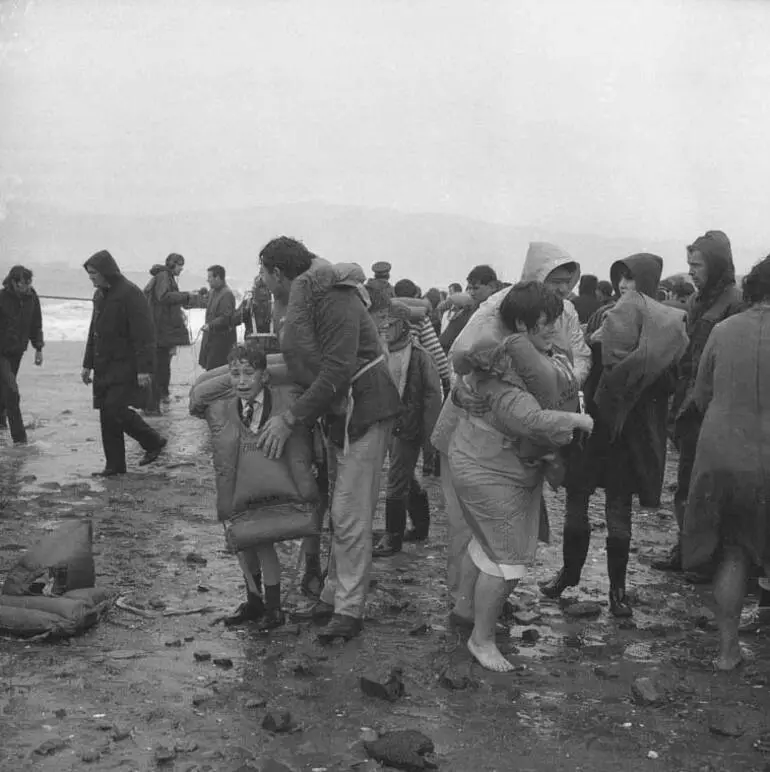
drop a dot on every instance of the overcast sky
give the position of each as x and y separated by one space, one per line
637 118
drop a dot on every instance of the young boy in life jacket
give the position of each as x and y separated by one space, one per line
419 386
249 379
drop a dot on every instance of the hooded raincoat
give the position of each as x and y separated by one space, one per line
717 301
635 353
543 258
121 339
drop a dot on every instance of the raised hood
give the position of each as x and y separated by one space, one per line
542 258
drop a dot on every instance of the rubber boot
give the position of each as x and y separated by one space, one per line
575 551
419 514
617 563
395 524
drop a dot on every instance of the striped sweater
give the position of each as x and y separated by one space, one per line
425 334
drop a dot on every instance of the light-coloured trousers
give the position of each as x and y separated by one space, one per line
357 477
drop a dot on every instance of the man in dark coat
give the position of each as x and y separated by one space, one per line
20 322
166 303
219 333
119 352
716 298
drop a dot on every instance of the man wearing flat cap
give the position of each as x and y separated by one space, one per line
381 278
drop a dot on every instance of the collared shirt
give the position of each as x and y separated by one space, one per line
258 406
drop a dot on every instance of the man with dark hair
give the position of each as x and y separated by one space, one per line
166 303
605 293
710 259
482 282
219 331
586 303
425 333
21 321
120 352
332 349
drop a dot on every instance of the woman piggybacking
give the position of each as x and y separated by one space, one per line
498 461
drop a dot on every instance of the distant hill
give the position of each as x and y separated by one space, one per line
432 249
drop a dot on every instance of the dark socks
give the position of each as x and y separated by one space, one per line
273 597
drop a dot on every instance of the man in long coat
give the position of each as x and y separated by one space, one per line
219 334
166 304
119 353
710 259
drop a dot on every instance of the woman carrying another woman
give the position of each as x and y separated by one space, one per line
728 509
498 462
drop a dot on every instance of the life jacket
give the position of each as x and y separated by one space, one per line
245 478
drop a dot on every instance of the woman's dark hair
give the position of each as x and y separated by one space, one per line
251 351
292 257
482 274
434 295
174 259
454 288
526 302
756 285
218 271
406 288
17 273
588 284
606 288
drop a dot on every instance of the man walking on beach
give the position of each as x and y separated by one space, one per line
21 321
119 352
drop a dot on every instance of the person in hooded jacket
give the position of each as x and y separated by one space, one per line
118 361
636 346
21 321
710 259
166 304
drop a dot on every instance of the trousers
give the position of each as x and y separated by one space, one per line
356 487
10 399
116 422
617 512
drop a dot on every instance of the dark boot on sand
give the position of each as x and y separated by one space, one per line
617 563
574 551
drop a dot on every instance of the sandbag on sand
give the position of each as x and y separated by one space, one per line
60 617
66 554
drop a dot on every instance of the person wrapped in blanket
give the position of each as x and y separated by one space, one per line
636 344
498 462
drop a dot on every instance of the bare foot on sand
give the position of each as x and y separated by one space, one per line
489 657
729 660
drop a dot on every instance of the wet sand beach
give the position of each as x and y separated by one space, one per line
589 693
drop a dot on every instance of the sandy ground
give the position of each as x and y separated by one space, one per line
130 694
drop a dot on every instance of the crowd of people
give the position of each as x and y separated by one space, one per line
499 388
